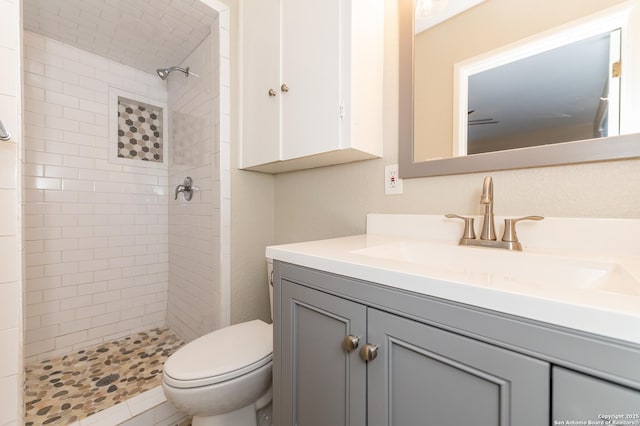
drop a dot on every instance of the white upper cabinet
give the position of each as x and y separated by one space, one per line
311 83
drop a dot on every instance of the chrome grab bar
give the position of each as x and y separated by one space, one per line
4 133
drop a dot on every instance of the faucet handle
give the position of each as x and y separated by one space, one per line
510 228
469 232
186 188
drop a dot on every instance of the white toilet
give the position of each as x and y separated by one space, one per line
224 377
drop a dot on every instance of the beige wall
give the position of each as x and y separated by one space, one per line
252 211
333 201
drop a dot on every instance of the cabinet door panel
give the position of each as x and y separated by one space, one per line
579 397
324 383
260 72
311 50
427 376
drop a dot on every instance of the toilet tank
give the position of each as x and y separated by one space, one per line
270 281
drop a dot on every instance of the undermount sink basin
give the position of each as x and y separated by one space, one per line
510 271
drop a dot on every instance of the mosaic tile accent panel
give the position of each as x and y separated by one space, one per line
139 131
71 387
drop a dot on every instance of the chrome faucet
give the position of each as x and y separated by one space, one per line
488 224
488 235
186 188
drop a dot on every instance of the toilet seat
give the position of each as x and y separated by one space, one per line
221 355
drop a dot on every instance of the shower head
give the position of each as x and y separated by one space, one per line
163 73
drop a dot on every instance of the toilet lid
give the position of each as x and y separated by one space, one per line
221 355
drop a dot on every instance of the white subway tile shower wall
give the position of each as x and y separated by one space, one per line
96 233
10 263
194 306
221 50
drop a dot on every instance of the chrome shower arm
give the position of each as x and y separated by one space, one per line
163 73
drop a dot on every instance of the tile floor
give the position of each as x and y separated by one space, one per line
74 386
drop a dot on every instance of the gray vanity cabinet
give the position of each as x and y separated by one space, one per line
323 384
437 363
578 397
420 376
427 376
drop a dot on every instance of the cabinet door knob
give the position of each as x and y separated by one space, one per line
272 92
369 352
284 88
350 343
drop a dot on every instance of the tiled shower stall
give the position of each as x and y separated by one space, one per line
108 251
195 228
96 232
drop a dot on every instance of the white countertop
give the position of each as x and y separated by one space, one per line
599 311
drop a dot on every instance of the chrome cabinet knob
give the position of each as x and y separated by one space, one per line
350 343
272 92
369 352
284 88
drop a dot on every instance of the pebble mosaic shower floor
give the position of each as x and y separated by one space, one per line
74 386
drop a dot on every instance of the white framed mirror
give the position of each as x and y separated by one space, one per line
442 127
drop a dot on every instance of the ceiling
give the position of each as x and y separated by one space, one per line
432 12
145 34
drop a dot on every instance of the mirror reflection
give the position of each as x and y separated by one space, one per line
565 94
590 106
